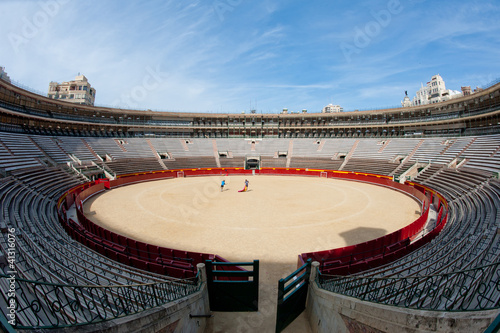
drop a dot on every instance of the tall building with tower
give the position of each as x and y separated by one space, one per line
3 75
433 92
78 91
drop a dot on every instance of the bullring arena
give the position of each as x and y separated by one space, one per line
278 218
367 221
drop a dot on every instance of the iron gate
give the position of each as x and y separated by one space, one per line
233 290
292 296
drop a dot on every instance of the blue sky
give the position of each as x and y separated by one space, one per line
234 55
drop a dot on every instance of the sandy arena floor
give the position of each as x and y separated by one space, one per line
277 219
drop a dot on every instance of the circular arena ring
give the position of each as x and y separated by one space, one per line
170 225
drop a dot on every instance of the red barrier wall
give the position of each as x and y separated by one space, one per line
176 262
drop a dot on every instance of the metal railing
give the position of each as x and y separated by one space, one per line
471 289
35 304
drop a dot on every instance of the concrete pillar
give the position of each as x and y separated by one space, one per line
203 272
314 271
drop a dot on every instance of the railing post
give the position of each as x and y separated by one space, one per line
308 267
281 291
256 273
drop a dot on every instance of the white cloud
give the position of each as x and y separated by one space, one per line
274 52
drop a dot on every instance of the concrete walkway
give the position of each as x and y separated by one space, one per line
264 320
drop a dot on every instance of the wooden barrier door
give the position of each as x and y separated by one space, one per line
292 296
231 288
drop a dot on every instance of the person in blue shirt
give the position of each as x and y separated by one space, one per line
222 185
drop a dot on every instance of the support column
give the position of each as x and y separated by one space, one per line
314 271
203 272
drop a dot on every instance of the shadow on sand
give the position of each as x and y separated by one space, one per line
362 234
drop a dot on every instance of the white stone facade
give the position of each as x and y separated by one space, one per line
433 92
3 75
330 108
78 91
